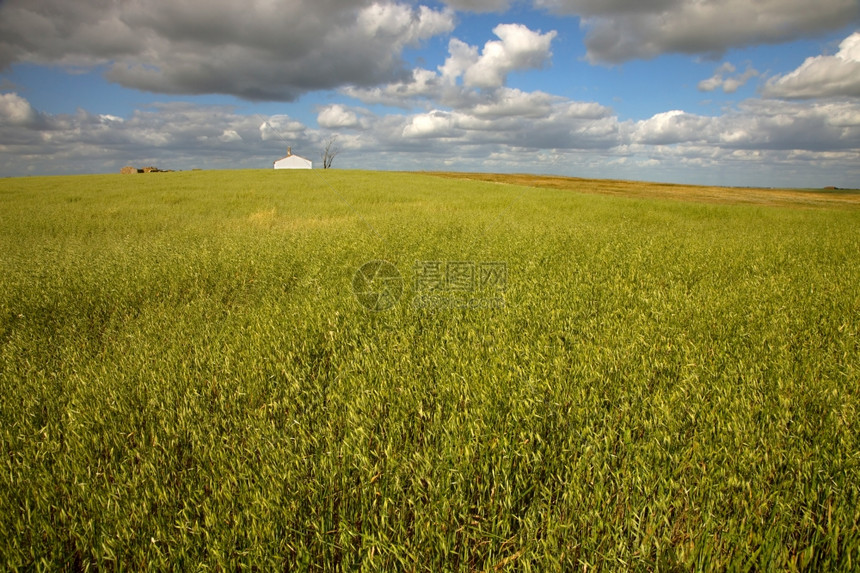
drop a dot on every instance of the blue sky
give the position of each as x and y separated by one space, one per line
722 92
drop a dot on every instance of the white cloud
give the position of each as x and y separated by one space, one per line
672 127
518 48
620 30
257 50
500 117
424 84
433 124
337 116
822 76
717 79
15 110
280 127
400 25
461 57
507 102
229 136
722 80
761 125
780 125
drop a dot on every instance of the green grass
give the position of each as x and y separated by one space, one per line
187 381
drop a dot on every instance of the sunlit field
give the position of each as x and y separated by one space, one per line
196 373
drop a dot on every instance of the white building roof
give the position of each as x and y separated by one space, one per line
291 161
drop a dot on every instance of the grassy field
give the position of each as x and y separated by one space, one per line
564 380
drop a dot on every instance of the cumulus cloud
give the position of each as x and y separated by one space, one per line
780 125
467 72
672 127
513 102
229 136
518 48
620 30
15 110
433 124
509 118
467 103
424 84
257 50
338 116
822 76
759 124
280 127
723 80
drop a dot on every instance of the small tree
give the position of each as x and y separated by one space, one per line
329 152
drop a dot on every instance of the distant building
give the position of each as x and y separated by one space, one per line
130 169
293 161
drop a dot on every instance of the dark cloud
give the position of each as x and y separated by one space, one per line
479 5
620 30
257 50
606 7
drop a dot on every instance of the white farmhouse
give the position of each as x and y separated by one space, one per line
293 161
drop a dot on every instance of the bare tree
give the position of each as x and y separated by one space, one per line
329 152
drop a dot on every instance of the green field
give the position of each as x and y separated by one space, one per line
188 381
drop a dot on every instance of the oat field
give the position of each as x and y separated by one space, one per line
198 371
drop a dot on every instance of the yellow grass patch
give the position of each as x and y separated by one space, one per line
800 198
